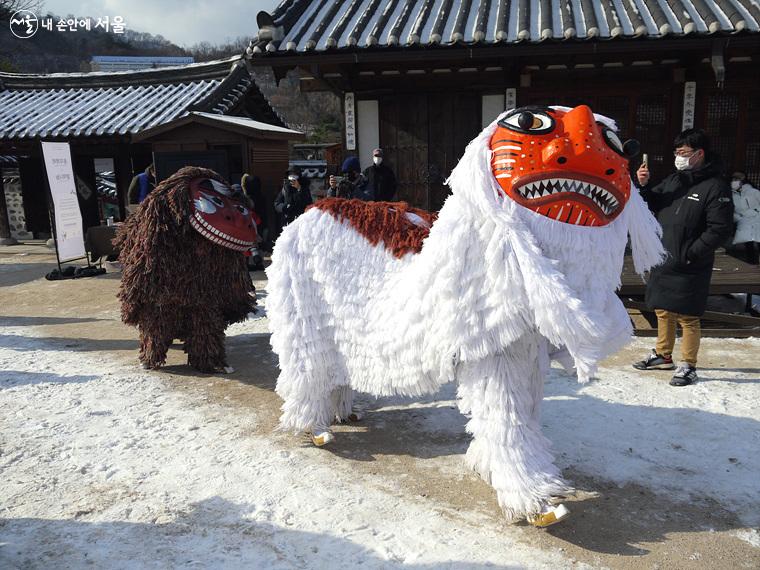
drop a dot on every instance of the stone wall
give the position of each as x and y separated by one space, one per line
15 202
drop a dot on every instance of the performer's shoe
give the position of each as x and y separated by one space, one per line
227 369
322 438
549 515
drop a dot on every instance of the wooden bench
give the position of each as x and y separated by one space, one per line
730 275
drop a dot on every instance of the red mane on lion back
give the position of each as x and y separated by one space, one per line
400 227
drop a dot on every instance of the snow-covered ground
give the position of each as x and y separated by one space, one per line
107 466
104 465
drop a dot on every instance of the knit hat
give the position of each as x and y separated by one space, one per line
351 163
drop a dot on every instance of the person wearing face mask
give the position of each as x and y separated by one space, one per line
381 182
292 200
746 214
695 210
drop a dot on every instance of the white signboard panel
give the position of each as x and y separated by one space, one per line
68 219
350 122
510 98
689 102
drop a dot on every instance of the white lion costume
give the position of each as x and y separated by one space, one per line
522 261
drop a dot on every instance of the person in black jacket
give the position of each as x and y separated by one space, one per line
381 182
694 208
292 199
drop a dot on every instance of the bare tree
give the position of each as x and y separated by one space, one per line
8 7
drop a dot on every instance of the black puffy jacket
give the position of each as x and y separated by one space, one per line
291 202
695 210
381 183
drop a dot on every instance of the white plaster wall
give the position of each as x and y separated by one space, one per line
493 106
368 119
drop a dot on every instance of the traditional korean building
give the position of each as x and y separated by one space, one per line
103 115
421 77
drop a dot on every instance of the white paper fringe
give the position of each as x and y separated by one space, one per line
493 283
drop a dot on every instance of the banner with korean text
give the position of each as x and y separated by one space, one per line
69 236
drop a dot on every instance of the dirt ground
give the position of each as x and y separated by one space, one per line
612 526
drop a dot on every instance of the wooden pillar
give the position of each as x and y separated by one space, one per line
123 170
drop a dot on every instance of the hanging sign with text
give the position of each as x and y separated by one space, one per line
689 102
350 122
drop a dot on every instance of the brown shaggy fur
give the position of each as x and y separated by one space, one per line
382 221
176 283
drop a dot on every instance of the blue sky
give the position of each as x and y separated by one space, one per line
184 22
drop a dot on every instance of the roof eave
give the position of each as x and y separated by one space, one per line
178 74
152 132
463 52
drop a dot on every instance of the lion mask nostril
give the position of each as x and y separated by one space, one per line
562 160
610 171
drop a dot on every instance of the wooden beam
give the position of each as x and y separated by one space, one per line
709 333
708 315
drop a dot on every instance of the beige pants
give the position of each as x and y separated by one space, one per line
666 334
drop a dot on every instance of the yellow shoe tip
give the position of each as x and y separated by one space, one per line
555 515
323 438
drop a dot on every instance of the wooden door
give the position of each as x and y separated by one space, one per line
403 137
423 137
454 120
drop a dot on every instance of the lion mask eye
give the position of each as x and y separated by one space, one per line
216 186
528 122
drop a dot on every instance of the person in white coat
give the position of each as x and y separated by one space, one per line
746 213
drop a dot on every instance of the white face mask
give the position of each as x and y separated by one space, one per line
683 162
736 184
378 160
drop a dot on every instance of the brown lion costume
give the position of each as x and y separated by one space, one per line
184 272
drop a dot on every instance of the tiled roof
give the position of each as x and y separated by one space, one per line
323 25
122 103
241 124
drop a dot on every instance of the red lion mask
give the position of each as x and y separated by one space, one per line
562 164
221 215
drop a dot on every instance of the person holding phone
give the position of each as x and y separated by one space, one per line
694 208
292 200
352 184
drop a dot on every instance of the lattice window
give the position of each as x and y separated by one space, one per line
721 124
616 108
752 139
650 131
